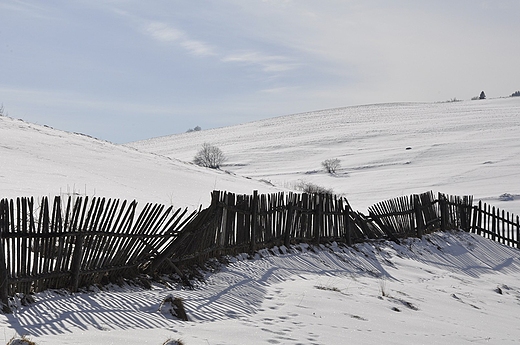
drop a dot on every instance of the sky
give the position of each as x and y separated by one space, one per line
127 70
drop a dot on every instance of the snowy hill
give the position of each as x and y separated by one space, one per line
447 288
386 150
38 160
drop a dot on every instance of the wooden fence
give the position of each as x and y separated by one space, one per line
497 225
78 241
245 223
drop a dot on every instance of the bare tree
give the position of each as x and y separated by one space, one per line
209 156
331 165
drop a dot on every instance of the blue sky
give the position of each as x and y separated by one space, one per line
125 70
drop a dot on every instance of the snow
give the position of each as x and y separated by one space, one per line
386 150
41 161
449 287
446 288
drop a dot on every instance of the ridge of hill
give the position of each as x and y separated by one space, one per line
386 150
42 161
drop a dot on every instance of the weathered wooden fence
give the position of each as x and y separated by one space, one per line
245 223
422 213
497 225
78 242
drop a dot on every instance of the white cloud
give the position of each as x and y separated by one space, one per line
279 90
197 47
165 33
269 63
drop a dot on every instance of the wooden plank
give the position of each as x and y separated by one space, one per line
78 225
24 249
517 232
4 274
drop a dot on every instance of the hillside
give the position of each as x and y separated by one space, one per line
386 150
449 288
38 160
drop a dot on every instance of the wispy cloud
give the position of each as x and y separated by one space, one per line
279 90
163 32
166 33
269 63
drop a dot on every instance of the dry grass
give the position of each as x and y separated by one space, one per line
21 341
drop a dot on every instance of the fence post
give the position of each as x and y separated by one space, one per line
493 225
4 277
4 283
444 212
223 231
77 255
474 215
254 221
479 218
418 216
288 225
317 220
461 204
76 261
517 232
348 228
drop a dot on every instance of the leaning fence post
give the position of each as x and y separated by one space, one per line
444 212
348 228
76 261
77 255
418 216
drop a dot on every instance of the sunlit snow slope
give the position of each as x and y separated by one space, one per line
38 160
386 150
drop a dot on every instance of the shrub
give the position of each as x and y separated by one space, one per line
482 95
515 94
331 165
196 129
209 156
453 100
311 188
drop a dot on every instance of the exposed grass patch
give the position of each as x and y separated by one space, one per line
328 288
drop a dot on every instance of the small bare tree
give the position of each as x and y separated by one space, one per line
209 156
331 165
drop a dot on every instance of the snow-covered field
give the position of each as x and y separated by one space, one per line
386 150
448 288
